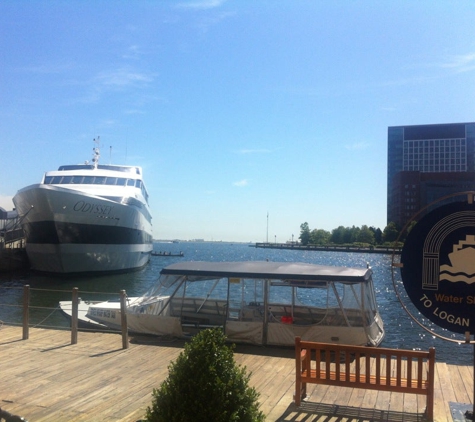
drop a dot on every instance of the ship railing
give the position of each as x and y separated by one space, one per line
23 306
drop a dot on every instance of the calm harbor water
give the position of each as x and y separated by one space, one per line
401 331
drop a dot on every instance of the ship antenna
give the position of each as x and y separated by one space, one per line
97 153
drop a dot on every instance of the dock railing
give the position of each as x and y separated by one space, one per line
26 309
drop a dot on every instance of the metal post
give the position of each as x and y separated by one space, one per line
469 415
74 316
123 319
26 311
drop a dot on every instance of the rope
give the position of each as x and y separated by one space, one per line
52 312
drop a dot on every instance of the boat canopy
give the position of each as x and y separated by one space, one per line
289 271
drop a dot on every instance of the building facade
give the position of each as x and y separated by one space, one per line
426 163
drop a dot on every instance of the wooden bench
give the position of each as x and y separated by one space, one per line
372 368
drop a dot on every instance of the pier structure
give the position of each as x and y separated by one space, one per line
12 242
327 248
47 378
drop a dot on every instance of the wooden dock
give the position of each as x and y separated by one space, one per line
45 378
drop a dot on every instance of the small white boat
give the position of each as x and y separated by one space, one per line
87 218
265 303
109 308
83 321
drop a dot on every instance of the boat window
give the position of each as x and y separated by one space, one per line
144 193
48 180
209 288
336 294
138 183
130 182
88 180
280 293
77 179
201 301
315 297
99 180
111 180
253 292
76 167
121 181
66 180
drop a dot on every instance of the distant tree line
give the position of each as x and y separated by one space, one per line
364 235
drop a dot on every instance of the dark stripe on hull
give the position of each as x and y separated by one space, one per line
58 232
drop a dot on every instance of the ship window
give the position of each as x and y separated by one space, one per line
88 180
77 179
130 182
121 181
111 180
66 180
49 180
138 183
99 180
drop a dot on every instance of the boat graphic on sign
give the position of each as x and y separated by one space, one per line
462 262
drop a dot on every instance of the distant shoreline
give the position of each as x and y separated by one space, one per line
336 248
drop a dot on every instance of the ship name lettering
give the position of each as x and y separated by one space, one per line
82 206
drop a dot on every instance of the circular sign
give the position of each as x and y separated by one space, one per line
438 266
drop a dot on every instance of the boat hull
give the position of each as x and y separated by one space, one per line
278 334
154 319
68 231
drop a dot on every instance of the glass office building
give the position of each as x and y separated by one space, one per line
426 163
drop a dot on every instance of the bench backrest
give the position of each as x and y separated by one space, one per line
345 365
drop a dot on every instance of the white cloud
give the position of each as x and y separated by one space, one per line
201 4
461 63
133 52
357 146
118 80
241 183
123 77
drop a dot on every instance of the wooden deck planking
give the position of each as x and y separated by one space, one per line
46 378
466 373
444 392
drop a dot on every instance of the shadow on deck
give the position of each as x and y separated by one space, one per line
336 413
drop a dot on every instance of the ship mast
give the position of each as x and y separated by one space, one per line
97 152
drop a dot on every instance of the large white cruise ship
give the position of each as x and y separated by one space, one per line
87 218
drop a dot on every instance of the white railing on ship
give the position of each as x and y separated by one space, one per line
26 306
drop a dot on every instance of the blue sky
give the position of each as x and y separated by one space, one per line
235 109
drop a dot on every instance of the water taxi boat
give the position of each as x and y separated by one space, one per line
264 303
87 218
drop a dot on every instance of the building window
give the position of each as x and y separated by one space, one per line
435 155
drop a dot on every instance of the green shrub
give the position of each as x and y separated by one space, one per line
205 384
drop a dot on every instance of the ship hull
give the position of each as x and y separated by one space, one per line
68 231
